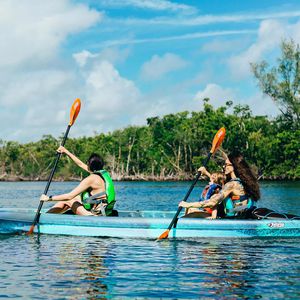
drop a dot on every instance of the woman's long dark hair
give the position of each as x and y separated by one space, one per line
243 171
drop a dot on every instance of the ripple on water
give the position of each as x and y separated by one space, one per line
57 267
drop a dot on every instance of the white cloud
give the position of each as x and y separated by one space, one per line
270 35
208 19
110 101
261 105
239 18
158 66
258 103
34 80
293 31
37 103
222 45
105 95
33 30
82 57
34 87
217 95
152 5
108 93
160 103
112 55
189 36
39 80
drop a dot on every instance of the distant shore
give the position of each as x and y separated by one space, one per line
141 177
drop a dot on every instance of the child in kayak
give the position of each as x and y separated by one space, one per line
216 181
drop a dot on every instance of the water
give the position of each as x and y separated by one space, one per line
68 267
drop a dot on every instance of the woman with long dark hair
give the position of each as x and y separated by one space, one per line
240 192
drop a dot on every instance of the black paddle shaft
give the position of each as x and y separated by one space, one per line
58 155
189 191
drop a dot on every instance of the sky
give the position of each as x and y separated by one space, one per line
128 60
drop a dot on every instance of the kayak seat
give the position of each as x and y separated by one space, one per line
114 213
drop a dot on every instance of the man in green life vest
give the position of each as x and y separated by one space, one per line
95 194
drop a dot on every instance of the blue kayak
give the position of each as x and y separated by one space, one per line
144 224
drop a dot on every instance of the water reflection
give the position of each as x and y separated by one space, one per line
96 271
68 266
93 268
236 269
229 268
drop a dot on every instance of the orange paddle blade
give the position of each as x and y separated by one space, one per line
30 230
75 109
164 235
218 139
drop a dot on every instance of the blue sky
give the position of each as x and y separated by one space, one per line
131 59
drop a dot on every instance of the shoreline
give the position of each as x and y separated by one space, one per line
145 178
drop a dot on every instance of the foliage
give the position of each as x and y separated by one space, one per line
282 82
168 147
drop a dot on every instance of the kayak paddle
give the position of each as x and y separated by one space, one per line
217 141
73 115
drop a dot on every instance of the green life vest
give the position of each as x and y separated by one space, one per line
109 190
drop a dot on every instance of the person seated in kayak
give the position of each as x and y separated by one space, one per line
94 195
216 182
240 191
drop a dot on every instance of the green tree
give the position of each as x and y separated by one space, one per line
282 82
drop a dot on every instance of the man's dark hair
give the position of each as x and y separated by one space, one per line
95 162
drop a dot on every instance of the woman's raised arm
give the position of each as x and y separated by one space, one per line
76 160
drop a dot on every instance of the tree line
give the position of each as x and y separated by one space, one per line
174 146
168 147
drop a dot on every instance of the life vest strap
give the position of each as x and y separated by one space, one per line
100 208
240 198
240 208
96 199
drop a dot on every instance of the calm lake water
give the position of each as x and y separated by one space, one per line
66 267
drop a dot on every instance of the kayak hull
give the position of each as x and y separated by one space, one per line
144 224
